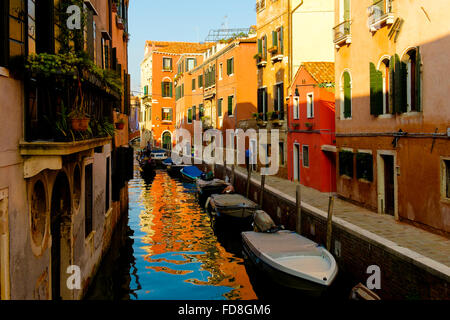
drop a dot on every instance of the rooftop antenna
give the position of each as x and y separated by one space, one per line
225 22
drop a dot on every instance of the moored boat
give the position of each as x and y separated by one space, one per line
191 173
234 206
172 168
291 260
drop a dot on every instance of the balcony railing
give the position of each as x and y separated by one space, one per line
342 32
260 5
381 11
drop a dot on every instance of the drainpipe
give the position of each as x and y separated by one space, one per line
291 54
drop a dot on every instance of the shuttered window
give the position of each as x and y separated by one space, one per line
364 166
189 116
230 105
376 91
346 163
145 90
219 107
193 84
201 111
230 66
262 103
260 46
167 88
167 64
194 113
347 103
200 81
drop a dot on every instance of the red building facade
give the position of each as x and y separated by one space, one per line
311 122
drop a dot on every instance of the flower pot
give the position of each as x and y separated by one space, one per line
120 125
114 7
79 124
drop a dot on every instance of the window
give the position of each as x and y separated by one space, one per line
344 10
306 156
107 186
310 105
4 54
346 96
262 103
277 41
446 179
145 90
191 63
88 199
413 76
200 81
296 109
220 71
230 105
278 104
346 163
201 111
281 153
166 114
166 89
189 116
194 113
167 64
230 66
193 84
219 107
380 87
364 166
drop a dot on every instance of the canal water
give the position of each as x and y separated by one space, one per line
167 249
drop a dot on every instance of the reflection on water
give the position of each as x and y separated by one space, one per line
171 251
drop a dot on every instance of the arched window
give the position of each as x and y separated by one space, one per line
167 88
412 62
385 72
346 96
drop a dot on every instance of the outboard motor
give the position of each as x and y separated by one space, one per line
262 222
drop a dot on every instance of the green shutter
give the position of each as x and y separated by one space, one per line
281 41
346 10
274 38
219 107
347 96
170 90
376 91
232 65
230 105
418 81
392 83
260 46
228 67
162 89
145 90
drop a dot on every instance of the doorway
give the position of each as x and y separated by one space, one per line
387 183
296 176
167 141
60 232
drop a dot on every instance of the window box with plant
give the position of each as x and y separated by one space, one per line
309 125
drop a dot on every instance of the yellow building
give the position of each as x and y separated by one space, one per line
289 33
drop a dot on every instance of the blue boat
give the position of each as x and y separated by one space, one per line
191 173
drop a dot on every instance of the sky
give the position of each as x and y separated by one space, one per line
180 20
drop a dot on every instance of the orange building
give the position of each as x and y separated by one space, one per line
164 57
392 115
221 91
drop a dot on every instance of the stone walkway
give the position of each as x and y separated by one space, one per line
432 246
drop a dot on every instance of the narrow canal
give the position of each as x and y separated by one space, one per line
166 249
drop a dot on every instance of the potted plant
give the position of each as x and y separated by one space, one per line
79 119
114 7
126 36
295 125
120 124
309 125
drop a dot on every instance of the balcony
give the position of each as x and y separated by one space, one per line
342 34
380 14
260 5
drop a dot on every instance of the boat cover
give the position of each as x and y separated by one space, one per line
213 183
232 200
192 171
168 162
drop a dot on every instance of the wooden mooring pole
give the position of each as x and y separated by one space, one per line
330 222
232 175
261 194
298 201
249 174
